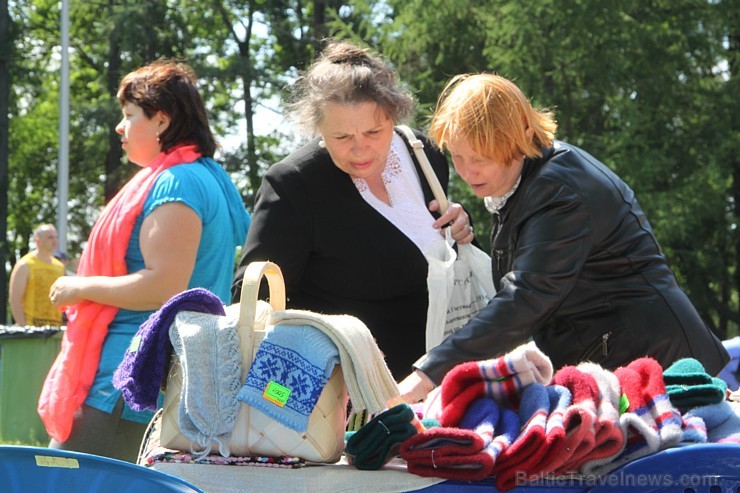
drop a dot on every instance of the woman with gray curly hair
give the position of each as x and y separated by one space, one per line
349 215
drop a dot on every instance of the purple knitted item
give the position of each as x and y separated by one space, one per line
140 374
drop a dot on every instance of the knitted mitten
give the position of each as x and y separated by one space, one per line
722 421
530 446
462 453
688 385
610 439
580 416
694 430
560 398
378 441
501 379
665 414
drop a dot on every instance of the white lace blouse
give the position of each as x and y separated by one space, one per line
407 210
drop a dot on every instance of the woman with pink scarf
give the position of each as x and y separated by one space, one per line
152 241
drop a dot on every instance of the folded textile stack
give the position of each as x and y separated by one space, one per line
501 379
467 452
583 420
688 385
648 419
609 435
541 436
377 442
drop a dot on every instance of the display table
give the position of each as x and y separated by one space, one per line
703 468
709 468
329 478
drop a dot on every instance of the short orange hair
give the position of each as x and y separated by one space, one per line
492 115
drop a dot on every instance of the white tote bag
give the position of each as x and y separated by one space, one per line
460 282
460 285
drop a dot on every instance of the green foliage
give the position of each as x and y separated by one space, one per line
649 87
641 85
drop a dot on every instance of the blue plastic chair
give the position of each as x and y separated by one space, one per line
42 470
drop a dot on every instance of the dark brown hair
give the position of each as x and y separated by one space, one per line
169 86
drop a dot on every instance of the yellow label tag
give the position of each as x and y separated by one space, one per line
276 393
51 461
135 344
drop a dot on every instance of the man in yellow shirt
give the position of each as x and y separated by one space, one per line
31 278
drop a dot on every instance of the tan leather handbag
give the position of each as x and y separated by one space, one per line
255 433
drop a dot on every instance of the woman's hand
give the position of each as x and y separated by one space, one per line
415 387
67 290
456 219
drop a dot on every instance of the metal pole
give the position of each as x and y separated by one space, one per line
63 169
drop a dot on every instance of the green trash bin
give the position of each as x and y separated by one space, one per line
26 354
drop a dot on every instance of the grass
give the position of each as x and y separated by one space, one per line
29 443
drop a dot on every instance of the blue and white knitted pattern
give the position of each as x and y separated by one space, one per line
300 358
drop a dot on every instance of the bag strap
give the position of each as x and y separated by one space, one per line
426 167
253 275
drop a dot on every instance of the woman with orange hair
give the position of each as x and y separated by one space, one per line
576 265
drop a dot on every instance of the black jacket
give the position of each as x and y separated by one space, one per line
338 254
578 269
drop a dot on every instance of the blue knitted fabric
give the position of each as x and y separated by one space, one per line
300 358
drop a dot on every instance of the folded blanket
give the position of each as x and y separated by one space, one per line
139 376
289 371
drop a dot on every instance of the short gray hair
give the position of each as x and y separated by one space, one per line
346 73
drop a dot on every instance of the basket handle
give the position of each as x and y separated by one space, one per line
253 275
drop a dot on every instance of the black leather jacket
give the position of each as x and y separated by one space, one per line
578 269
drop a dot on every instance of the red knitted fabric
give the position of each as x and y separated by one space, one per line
501 379
580 416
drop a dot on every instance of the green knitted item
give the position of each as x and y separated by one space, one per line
688 385
373 445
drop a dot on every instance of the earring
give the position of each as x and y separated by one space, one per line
157 136
322 144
